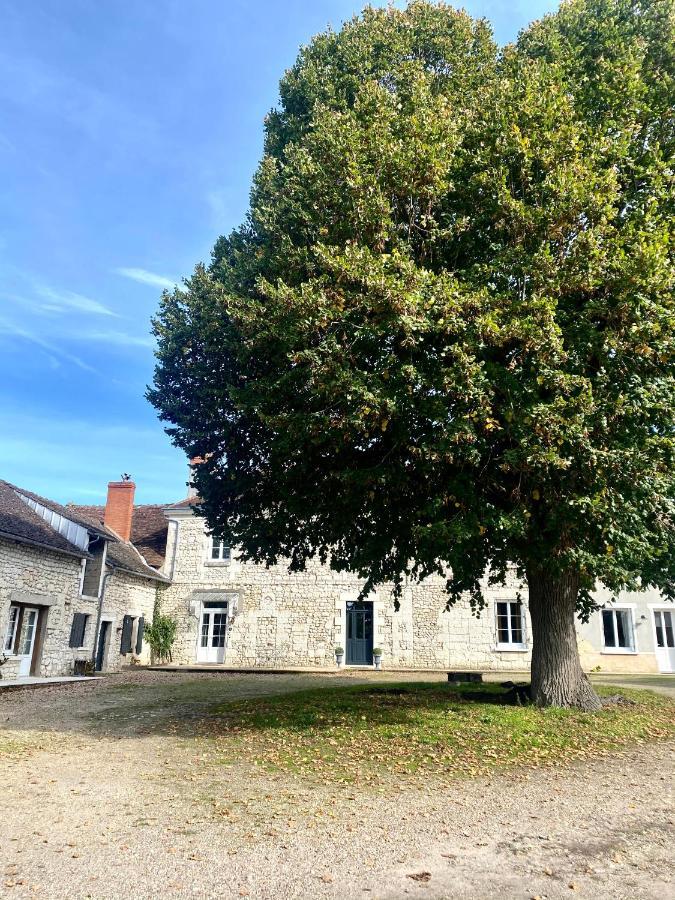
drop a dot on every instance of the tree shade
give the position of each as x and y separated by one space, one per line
442 341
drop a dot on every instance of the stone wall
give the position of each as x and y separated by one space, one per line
293 620
50 581
127 595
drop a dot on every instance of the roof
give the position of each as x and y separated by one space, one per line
148 529
21 523
187 503
122 554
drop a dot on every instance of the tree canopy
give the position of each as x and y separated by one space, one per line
443 338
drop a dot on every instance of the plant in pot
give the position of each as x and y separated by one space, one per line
377 657
339 655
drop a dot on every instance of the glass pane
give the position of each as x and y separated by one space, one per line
668 621
219 625
215 549
11 627
27 632
516 624
360 626
205 630
658 622
622 629
608 627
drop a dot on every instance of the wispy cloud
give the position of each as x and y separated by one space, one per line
65 301
118 338
145 277
11 329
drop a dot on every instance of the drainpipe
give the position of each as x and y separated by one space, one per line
99 613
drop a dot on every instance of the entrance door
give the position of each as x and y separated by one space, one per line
212 634
359 633
27 640
102 640
664 628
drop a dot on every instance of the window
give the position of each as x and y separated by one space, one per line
10 635
510 625
92 572
663 622
617 630
78 630
218 550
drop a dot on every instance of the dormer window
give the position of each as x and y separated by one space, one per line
92 569
218 551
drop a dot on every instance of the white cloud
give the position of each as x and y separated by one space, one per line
118 338
63 301
145 277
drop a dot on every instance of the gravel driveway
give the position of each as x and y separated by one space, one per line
97 804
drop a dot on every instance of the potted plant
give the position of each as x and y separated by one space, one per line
339 655
377 657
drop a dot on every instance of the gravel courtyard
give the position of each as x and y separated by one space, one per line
108 791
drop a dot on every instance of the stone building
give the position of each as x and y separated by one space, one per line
245 615
237 614
74 591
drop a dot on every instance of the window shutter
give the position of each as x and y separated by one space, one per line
139 634
127 627
77 630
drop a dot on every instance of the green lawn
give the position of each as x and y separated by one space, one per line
409 730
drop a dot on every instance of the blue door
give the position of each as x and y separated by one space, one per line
359 633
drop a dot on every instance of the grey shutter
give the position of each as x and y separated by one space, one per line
77 630
127 627
139 634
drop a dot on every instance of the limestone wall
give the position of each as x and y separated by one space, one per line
50 581
130 595
287 619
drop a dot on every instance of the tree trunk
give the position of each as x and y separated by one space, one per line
557 676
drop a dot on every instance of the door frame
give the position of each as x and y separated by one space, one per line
661 607
353 598
223 607
106 634
29 657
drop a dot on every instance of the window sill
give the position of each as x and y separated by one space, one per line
511 648
618 651
87 597
217 563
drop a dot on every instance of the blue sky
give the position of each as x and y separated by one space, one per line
129 133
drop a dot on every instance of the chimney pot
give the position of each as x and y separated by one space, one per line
119 508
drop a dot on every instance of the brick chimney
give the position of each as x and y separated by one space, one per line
119 508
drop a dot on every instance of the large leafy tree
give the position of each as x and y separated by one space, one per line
442 341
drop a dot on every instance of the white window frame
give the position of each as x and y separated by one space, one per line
221 559
511 646
13 625
629 609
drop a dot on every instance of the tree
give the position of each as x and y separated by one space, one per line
443 338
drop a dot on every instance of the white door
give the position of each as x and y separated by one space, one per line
212 635
664 629
27 640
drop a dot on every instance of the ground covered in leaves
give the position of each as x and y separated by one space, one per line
185 785
428 730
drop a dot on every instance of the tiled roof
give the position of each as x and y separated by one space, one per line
148 529
19 522
184 504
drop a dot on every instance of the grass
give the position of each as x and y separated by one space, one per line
373 734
